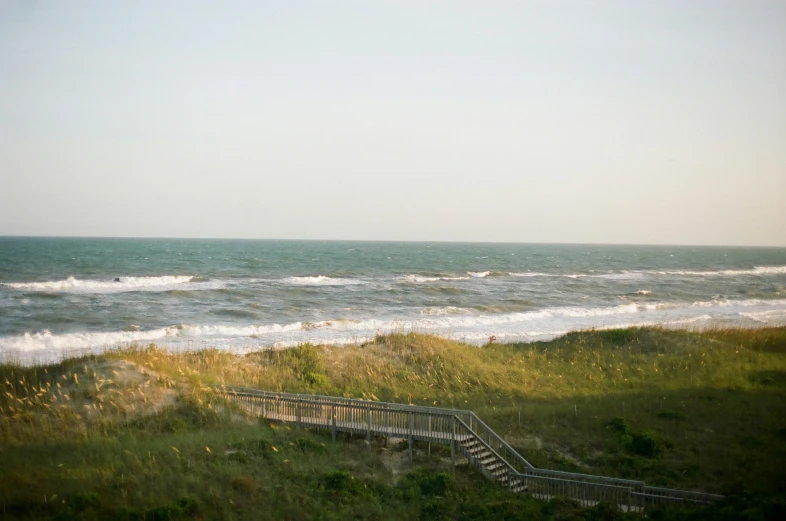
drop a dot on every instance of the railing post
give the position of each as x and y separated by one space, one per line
453 444
387 425
410 436
368 416
299 400
264 401
333 421
429 434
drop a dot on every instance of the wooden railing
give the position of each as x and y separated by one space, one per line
460 429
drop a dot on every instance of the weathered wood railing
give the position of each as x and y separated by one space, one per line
466 434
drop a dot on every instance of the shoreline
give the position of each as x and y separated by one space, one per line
54 358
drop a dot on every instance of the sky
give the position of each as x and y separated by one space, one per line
575 121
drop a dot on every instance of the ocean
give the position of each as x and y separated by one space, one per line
61 297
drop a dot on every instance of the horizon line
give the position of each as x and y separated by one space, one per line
534 243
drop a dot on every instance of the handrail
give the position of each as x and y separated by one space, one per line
510 467
471 416
503 443
576 476
314 398
417 422
586 493
684 494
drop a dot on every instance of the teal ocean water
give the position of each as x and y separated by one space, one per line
64 296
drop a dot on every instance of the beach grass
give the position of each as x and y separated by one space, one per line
138 432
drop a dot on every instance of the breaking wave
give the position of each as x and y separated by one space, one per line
448 321
117 285
419 279
321 280
757 271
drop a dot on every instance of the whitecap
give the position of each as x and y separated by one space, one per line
756 271
321 280
117 285
419 279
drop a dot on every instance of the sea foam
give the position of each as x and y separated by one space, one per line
449 310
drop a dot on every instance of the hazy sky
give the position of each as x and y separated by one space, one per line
533 121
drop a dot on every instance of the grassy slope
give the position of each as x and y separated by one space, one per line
701 411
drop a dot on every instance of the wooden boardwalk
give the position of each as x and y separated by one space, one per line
468 437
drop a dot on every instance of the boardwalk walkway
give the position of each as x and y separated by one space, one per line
468 436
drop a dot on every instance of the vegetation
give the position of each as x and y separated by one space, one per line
138 433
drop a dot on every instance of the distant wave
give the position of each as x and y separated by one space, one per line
321 280
723 302
121 284
714 303
757 271
622 275
637 274
418 279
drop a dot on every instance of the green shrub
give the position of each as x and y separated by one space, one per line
646 443
339 481
619 425
434 484
315 379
